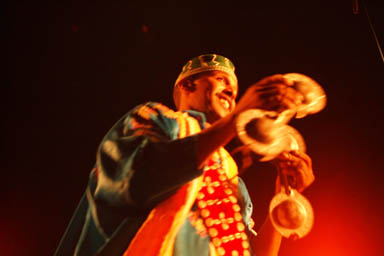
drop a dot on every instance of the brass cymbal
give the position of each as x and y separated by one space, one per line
291 214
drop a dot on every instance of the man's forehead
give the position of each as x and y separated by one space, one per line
232 80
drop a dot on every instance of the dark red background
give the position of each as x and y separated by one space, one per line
74 68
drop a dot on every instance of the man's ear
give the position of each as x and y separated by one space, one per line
187 86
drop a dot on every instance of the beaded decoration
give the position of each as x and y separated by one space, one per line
220 211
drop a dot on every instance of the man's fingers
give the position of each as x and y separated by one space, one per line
278 97
278 78
273 93
297 166
303 157
275 101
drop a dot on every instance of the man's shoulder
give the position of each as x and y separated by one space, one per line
151 109
155 111
156 117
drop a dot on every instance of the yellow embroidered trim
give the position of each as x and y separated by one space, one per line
197 223
145 112
212 250
190 126
181 215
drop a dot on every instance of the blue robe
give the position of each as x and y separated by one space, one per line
140 162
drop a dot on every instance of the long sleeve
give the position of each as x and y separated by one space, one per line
142 161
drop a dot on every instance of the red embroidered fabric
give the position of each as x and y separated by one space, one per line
220 212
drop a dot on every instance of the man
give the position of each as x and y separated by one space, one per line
163 183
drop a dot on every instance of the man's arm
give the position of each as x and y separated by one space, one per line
271 93
142 161
268 240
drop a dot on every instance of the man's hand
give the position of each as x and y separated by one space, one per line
274 93
297 166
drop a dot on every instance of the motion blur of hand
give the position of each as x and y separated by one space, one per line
273 93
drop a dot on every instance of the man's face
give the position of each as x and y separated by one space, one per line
214 95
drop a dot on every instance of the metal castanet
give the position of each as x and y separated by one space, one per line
268 134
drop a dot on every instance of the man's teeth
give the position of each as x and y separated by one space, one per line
225 103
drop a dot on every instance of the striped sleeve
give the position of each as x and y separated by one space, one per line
142 161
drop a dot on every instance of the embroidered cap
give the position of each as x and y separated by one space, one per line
207 62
